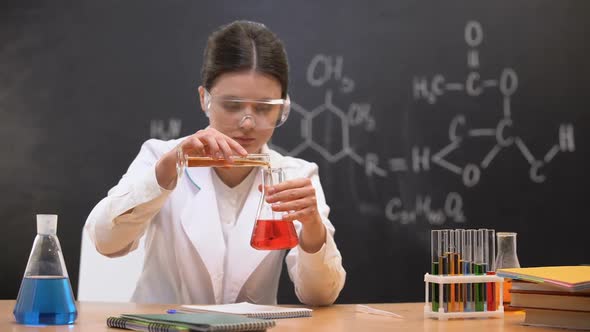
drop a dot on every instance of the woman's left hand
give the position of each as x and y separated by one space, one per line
298 199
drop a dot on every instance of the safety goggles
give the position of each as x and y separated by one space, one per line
232 111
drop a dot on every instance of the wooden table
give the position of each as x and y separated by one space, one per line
92 317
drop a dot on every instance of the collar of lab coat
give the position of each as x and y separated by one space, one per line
201 222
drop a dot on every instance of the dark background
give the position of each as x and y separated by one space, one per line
84 83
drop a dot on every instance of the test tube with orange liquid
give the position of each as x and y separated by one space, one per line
250 160
183 161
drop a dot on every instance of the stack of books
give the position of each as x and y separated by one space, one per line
557 296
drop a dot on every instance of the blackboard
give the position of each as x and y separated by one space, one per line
420 114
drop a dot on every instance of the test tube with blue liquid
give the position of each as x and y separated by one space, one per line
467 258
443 264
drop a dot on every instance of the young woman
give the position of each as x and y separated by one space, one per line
198 226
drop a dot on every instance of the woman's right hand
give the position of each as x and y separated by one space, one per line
207 142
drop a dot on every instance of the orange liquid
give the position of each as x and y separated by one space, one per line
507 288
237 162
274 235
453 305
507 296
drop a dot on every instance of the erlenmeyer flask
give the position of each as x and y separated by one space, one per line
45 296
271 232
507 258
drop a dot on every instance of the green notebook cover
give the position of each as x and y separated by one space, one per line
206 321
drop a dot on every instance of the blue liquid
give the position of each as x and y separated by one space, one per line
468 288
45 301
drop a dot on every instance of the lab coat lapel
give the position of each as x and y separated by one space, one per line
201 222
242 258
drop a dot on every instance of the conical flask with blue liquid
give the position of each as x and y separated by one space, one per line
45 296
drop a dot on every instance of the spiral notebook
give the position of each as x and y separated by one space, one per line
251 310
207 322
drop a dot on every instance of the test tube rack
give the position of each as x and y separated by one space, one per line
442 280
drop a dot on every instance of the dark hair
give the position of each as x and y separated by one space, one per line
245 45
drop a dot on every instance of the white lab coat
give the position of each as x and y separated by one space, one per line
187 259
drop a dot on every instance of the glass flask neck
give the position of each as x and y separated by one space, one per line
270 177
46 224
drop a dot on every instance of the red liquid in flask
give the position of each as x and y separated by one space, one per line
274 235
